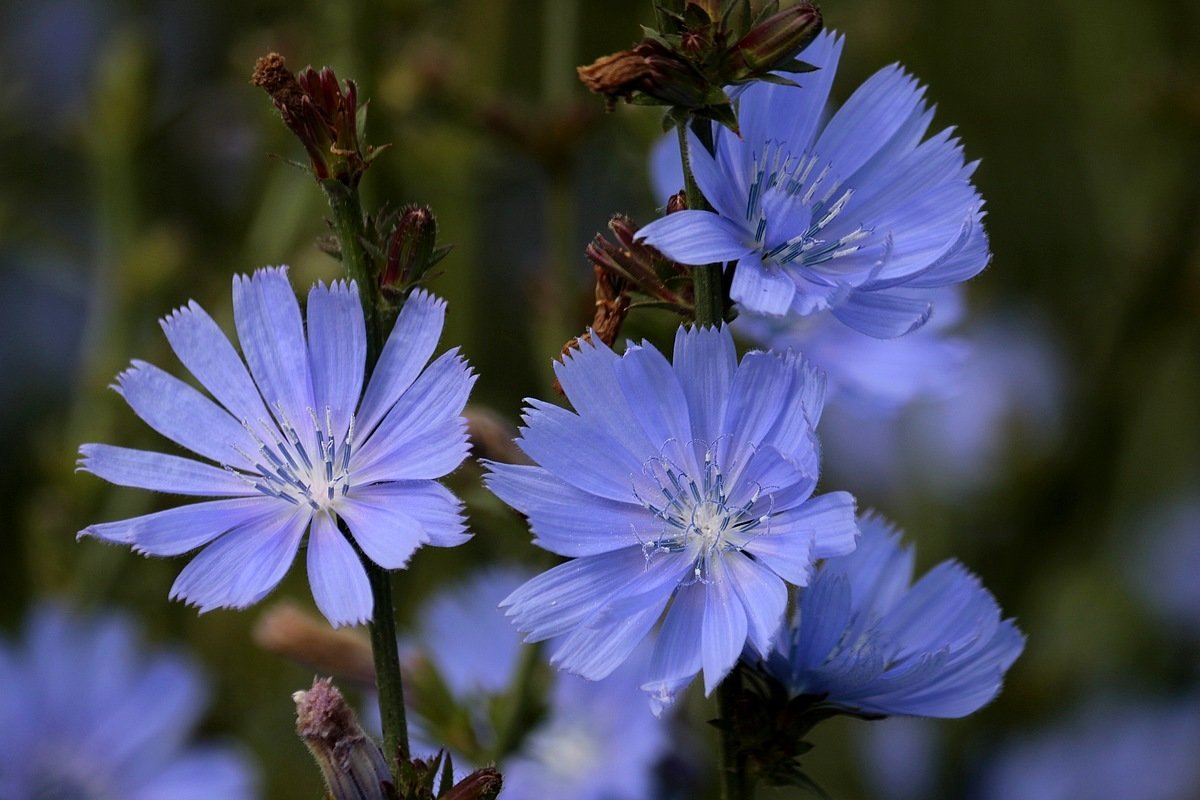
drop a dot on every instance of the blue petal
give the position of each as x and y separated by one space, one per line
183 415
387 534
824 616
159 472
243 566
724 629
761 288
869 119
178 530
588 377
653 392
567 520
763 596
582 454
271 332
697 237
705 362
676 658
828 518
791 116
884 314
724 180
424 434
202 774
335 573
337 348
407 351
432 505
209 356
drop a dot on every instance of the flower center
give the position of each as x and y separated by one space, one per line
286 469
702 519
777 172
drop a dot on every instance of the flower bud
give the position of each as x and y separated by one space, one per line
412 248
482 784
773 43
352 764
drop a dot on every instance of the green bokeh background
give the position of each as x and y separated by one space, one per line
137 174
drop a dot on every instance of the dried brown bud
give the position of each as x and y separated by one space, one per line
677 202
351 762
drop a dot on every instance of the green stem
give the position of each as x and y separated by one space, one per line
349 225
387 666
736 782
707 284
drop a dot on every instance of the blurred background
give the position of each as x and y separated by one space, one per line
142 170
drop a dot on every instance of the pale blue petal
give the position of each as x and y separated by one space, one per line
787 115
763 596
203 774
432 505
790 556
825 613
159 472
869 119
407 351
271 333
756 402
337 349
653 390
243 566
186 417
582 454
386 533
723 180
178 530
336 575
697 237
828 518
207 353
724 629
762 288
425 420
567 520
588 378
705 362
666 168
883 314
676 656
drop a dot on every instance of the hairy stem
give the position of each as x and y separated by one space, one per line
736 781
709 292
387 665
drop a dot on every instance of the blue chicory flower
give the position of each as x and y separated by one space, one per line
298 449
85 715
684 489
867 642
855 215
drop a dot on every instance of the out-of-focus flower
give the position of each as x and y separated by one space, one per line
1167 562
684 489
950 441
597 741
1112 748
856 215
85 715
297 449
866 642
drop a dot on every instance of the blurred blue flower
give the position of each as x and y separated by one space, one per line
872 377
856 214
869 643
317 456
683 489
1145 750
1166 559
597 741
85 715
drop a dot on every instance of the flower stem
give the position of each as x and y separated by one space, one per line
387 666
349 225
709 292
736 782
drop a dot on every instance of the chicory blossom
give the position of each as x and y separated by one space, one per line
866 642
299 446
680 492
86 715
860 215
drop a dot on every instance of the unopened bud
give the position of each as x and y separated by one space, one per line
774 42
650 70
482 784
412 248
677 202
352 764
